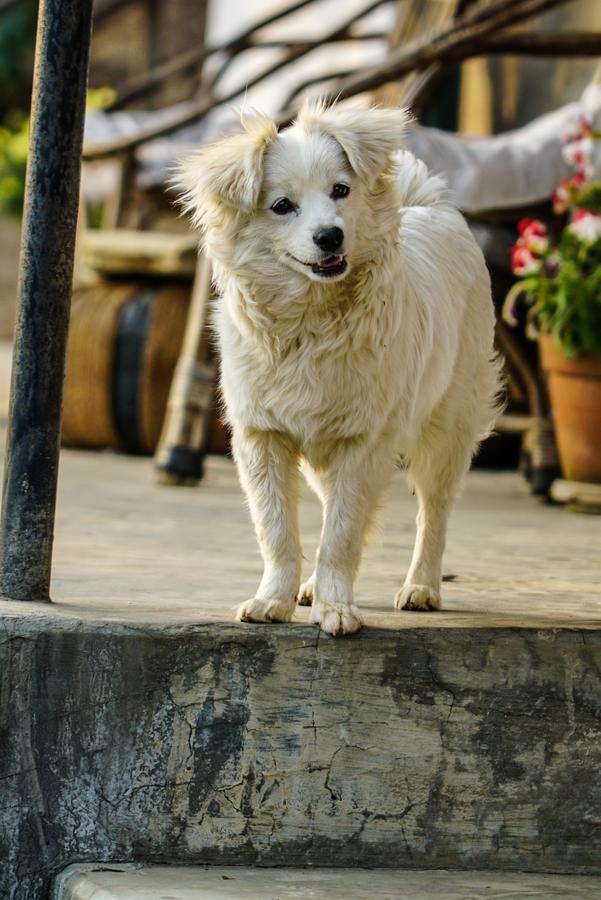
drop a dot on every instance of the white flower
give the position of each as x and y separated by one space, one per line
586 225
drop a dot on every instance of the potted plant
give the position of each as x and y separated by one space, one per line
560 288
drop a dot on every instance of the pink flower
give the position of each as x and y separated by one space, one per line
585 225
531 226
533 235
580 128
523 261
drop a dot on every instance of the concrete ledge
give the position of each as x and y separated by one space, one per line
97 882
225 744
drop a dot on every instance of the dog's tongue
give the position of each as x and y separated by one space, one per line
330 262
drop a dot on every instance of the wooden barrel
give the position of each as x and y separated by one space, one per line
124 342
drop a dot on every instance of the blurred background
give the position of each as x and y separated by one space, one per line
167 75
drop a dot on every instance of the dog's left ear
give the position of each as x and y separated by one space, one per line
368 136
230 170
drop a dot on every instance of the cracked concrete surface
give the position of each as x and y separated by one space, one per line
462 748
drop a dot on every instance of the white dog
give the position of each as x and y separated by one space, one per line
356 330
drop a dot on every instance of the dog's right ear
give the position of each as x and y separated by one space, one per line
230 170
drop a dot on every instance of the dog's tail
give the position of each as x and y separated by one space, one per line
417 187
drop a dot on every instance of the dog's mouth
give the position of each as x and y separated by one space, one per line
331 265
328 267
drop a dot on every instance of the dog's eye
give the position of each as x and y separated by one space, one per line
282 207
340 190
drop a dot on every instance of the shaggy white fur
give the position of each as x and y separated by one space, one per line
356 328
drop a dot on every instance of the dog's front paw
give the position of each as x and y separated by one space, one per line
336 620
265 610
417 597
306 592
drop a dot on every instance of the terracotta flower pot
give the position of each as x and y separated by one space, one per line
575 389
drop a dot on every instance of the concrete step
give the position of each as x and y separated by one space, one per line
242 744
101 881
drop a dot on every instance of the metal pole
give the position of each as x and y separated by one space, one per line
45 276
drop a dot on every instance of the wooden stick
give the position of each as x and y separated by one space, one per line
200 108
287 44
564 43
180 452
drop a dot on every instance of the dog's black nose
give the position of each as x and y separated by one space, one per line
329 238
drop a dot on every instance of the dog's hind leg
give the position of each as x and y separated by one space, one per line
268 469
435 478
437 464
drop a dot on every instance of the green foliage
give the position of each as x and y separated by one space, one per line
13 161
569 305
590 197
100 98
14 137
565 296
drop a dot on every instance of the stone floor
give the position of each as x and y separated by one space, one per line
121 882
128 549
